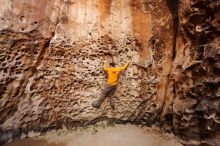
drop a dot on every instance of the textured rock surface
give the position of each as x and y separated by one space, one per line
195 75
52 55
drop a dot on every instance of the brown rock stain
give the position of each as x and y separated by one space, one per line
140 23
38 8
84 2
104 7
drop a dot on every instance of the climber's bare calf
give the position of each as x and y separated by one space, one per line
109 89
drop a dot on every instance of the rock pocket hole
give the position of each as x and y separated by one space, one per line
22 18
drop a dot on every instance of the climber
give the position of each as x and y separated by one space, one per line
109 89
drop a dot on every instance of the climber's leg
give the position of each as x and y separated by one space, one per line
102 97
111 97
112 102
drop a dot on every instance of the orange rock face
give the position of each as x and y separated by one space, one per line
52 54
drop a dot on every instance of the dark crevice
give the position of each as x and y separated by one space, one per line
42 53
174 7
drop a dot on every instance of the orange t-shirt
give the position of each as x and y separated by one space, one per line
113 73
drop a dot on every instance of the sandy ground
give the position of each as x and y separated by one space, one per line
102 135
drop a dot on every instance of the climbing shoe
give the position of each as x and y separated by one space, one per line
113 107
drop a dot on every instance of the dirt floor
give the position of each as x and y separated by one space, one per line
102 135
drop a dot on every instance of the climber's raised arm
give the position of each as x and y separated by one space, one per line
105 66
123 67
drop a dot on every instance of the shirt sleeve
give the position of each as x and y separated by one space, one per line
105 67
123 67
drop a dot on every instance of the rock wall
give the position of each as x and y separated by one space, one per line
195 75
52 55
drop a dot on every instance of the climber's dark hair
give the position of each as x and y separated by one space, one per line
112 64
